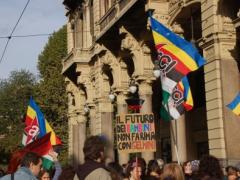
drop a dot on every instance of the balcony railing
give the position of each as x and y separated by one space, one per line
113 15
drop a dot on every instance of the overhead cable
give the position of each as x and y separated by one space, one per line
10 36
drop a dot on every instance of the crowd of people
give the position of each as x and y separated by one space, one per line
29 167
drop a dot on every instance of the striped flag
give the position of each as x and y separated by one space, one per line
36 127
180 100
235 105
177 57
187 94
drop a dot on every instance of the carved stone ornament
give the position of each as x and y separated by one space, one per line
129 43
176 28
228 24
145 49
71 99
238 14
107 59
175 4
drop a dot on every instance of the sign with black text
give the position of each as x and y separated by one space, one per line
135 132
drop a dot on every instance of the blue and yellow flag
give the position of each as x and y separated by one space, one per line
235 105
177 57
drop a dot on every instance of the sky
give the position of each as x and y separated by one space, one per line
40 17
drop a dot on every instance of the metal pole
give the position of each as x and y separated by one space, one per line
174 139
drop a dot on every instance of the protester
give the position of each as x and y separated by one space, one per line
231 173
153 170
45 174
195 166
67 173
172 171
116 171
187 170
143 166
15 161
160 163
29 170
134 169
93 167
209 168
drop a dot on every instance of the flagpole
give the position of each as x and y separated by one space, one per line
174 141
174 138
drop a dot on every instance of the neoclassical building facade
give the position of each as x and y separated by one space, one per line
110 44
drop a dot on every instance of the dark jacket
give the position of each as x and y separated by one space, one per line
92 170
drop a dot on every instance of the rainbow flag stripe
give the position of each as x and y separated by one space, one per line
177 56
188 99
235 105
35 121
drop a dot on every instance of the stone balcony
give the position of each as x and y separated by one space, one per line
75 56
113 15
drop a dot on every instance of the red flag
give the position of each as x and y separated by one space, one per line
40 146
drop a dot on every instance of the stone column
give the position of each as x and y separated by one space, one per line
92 115
75 140
145 93
122 109
70 138
81 136
70 36
105 126
221 82
178 131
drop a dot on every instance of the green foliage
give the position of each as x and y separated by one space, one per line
51 94
14 95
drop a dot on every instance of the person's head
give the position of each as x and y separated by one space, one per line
94 148
116 171
15 162
134 168
67 173
172 171
187 167
195 166
160 163
153 168
44 175
231 172
210 166
143 165
32 161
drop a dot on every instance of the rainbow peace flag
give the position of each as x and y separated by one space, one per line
37 126
177 57
235 105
